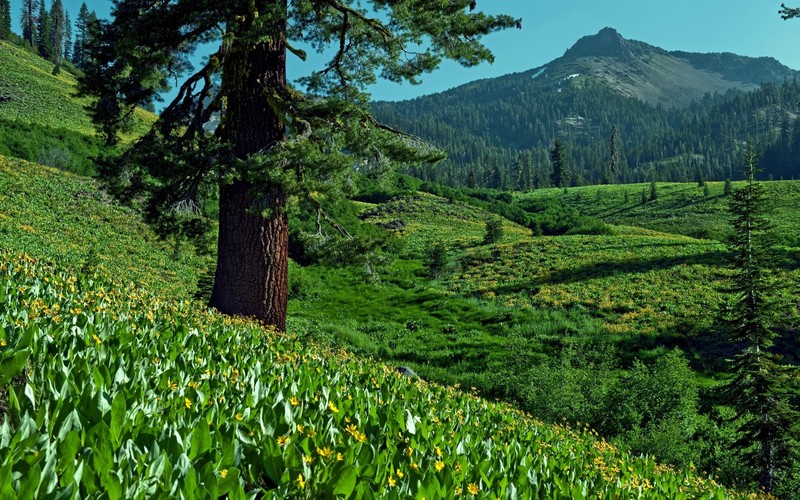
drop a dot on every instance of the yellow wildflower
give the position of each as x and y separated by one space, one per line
294 401
300 481
392 482
223 473
282 440
439 465
473 488
399 473
339 457
3 343
308 460
325 452
333 407
187 403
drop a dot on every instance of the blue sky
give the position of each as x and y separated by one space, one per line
745 27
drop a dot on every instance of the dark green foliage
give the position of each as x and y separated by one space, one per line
81 35
331 233
561 175
706 191
58 148
613 156
67 43
760 386
57 32
493 231
644 197
5 19
554 217
653 191
728 187
671 144
29 22
436 260
44 32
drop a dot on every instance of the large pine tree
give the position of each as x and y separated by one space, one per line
57 31
759 386
67 37
5 19
29 21
273 143
44 30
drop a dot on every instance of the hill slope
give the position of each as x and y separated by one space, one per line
127 391
678 115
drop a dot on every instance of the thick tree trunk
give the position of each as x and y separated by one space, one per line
252 262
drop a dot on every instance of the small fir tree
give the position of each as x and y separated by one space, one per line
436 260
759 389
558 158
613 156
728 188
653 191
494 230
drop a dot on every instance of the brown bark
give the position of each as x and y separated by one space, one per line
252 262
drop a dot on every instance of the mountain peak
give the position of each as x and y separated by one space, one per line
606 43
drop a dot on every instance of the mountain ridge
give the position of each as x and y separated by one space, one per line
679 116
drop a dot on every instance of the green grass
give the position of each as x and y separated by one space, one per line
681 208
61 217
37 96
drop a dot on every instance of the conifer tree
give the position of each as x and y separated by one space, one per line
274 144
613 156
5 19
67 37
81 33
29 21
759 387
558 159
44 32
57 31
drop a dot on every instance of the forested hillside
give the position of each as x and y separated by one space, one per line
499 132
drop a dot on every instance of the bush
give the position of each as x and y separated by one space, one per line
436 260
494 231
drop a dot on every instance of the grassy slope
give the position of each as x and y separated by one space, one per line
51 214
161 399
680 208
39 97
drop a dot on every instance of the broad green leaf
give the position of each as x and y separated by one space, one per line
118 410
12 366
201 439
346 482
29 483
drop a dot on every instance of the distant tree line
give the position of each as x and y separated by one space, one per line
502 136
51 32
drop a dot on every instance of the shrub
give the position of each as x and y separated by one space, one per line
494 231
